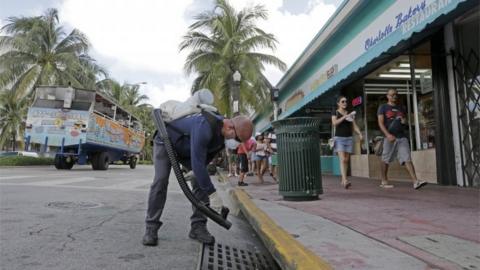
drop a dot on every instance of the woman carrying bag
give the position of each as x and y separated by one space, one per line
344 124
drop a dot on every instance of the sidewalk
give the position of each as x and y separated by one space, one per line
367 227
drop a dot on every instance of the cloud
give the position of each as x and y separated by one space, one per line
142 33
168 91
138 40
135 38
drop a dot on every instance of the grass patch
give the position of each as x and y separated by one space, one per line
25 161
145 162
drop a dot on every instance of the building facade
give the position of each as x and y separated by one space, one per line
428 50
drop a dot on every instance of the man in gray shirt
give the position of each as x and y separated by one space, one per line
392 120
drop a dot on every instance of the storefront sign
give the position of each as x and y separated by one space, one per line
393 25
407 19
296 97
411 21
400 19
357 101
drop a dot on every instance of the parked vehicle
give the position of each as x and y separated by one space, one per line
19 153
85 126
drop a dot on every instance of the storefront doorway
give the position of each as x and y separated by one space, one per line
411 75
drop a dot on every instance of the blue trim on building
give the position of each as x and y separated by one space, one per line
389 42
371 54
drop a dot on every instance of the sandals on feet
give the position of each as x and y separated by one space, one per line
385 185
346 185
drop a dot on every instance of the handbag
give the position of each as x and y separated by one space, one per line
331 143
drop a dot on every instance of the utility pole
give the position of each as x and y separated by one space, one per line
274 92
236 92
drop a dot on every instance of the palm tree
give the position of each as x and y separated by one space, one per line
12 116
112 88
126 95
36 51
132 96
223 41
144 113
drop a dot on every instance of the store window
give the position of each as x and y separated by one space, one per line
416 96
423 97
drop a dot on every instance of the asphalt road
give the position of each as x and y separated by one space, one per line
84 219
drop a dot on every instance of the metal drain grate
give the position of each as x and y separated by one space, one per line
224 257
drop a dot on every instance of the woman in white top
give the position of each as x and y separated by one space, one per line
260 158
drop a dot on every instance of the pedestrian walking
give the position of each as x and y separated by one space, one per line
196 140
251 162
261 157
244 150
231 150
271 142
344 124
392 121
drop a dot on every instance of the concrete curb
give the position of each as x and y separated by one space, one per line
287 251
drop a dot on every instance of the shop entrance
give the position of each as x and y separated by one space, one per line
411 75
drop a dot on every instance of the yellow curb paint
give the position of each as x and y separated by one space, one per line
287 250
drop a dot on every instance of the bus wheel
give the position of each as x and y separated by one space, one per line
59 162
93 161
133 162
102 161
68 163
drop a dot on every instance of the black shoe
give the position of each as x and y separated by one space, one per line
151 236
242 184
200 233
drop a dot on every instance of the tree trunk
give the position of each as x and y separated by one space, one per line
14 142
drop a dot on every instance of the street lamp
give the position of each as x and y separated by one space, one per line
274 94
236 91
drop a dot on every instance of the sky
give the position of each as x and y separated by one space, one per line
138 40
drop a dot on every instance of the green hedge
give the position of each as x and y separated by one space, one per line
25 161
145 162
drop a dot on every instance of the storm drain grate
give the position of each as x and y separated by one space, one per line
224 257
73 205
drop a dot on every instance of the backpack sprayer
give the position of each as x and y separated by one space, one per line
219 218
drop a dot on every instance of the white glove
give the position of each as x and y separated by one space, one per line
189 176
216 202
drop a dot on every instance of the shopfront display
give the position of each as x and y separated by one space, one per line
369 47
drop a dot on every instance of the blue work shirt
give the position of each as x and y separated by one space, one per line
197 146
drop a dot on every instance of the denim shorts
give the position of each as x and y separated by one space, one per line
258 158
343 144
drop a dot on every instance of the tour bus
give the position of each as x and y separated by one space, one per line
83 126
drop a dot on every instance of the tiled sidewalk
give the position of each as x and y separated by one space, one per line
434 227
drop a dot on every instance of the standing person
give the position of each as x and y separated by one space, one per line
251 161
261 158
231 149
273 162
344 124
196 141
244 150
392 121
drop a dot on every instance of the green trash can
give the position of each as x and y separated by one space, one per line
299 169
